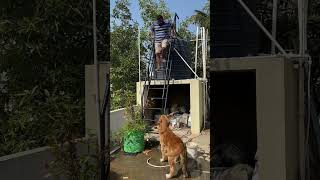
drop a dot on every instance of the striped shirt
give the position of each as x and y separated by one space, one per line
161 32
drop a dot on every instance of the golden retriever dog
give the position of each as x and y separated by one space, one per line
172 146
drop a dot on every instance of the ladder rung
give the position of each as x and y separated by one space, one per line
157 98
155 108
156 88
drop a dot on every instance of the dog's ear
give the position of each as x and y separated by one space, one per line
163 123
163 118
168 118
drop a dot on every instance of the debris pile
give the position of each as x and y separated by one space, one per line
230 163
180 120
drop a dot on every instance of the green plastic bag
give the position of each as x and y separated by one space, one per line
134 142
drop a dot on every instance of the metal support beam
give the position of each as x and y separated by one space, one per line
203 48
274 25
204 52
302 18
196 53
301 121
262 27
101 136
139 55
207 42
96 63
105 129
304 151
307 156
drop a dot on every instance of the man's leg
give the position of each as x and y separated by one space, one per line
163 54
164 45
158 55
158 61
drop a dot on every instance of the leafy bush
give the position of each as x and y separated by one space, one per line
44 47
72 165
134 121
39 118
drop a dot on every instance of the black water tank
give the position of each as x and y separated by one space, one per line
179 70
233 32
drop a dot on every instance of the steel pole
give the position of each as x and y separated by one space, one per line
274 25
300 20
96 64
101 137
196 53
139 55
203 52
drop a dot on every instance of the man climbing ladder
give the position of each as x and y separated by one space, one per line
160 32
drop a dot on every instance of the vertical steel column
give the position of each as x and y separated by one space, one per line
196 53
96 63
203 37
139 54
304 151
274 25
100 135
301 121
302 18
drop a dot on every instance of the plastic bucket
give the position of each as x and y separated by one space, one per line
134 142
192 150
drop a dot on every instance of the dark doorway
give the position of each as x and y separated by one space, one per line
233 110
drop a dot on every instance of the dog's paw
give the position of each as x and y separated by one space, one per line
168 176
162 160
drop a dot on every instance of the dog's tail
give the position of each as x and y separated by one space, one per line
184 160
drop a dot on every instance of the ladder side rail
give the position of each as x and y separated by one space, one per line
168 75
147 81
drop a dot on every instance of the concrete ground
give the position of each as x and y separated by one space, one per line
136 167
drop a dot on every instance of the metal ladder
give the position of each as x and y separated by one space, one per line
165 72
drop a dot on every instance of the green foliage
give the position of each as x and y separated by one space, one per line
200 18
313 27
39 118
44 47
124 54
118 99
287 25
150 9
